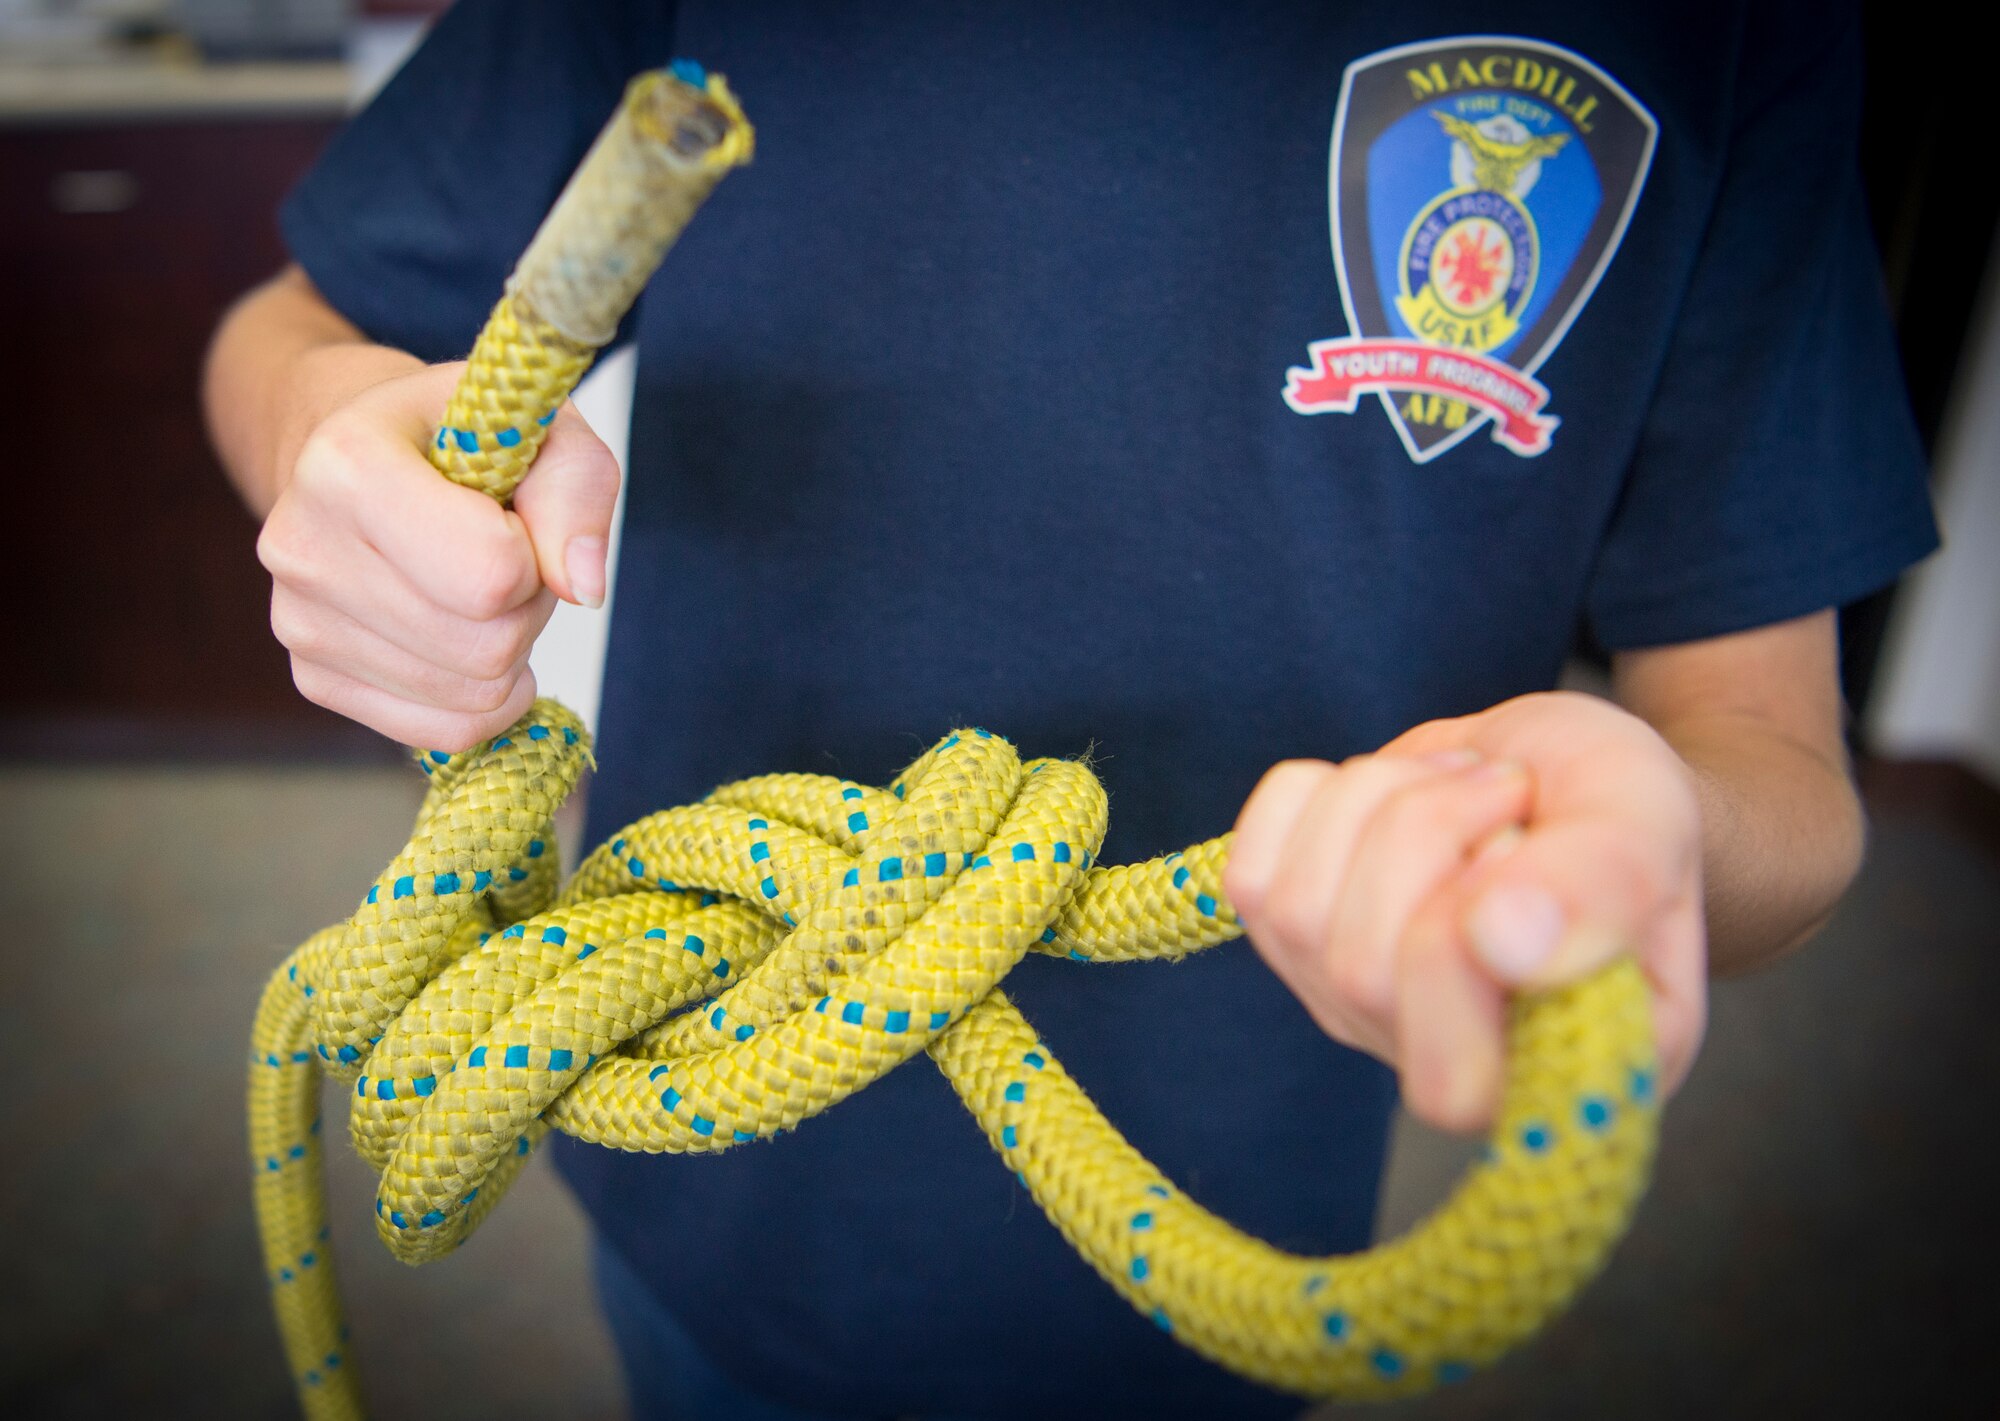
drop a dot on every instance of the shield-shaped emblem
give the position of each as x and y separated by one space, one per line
1479 188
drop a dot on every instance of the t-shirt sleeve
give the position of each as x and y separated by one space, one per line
1779 471
413 217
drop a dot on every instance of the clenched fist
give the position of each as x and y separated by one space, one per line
409 603
1402 895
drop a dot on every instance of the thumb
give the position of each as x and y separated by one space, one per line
1555 905
1558 906
566 502
1570 896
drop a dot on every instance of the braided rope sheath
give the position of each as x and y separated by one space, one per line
719 973
824 932
675 136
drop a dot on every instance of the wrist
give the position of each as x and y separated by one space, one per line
281 361
1782 837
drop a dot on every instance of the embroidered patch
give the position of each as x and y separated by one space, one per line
1478 188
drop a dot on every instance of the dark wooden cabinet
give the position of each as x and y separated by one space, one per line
131 584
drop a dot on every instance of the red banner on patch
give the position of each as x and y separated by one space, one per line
1346 369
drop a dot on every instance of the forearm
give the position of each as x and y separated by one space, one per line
1756 717
1782 833
281 361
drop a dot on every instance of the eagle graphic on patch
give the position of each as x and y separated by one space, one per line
1478 189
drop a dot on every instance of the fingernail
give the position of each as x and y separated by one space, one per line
1500 843
1584 947
1515 930
1499 770
1436 1084
1463 1098
1459 759
583 563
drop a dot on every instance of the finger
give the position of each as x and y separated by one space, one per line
377 596
1433 737
1269 818
458 547
421 727
1676 963
1312 860
566 501
1262 828
1451 1014
1419 837
319 634
1575 894
1450 1024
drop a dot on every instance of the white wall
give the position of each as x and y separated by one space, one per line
1940 691
376 49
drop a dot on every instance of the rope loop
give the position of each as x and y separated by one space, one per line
718 973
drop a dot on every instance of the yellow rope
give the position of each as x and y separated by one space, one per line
829 931
718 973
658 159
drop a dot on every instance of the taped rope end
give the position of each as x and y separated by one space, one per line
692 115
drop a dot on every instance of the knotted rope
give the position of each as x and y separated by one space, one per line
718 973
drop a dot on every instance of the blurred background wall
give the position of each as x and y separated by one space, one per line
177 816
1940 675
143 150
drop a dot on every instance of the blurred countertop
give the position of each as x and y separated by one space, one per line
141 90
168 81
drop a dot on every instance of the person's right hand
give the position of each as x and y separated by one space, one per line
409 603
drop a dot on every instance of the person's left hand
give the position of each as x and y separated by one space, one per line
1402 895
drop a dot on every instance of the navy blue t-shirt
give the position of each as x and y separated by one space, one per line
1196 384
